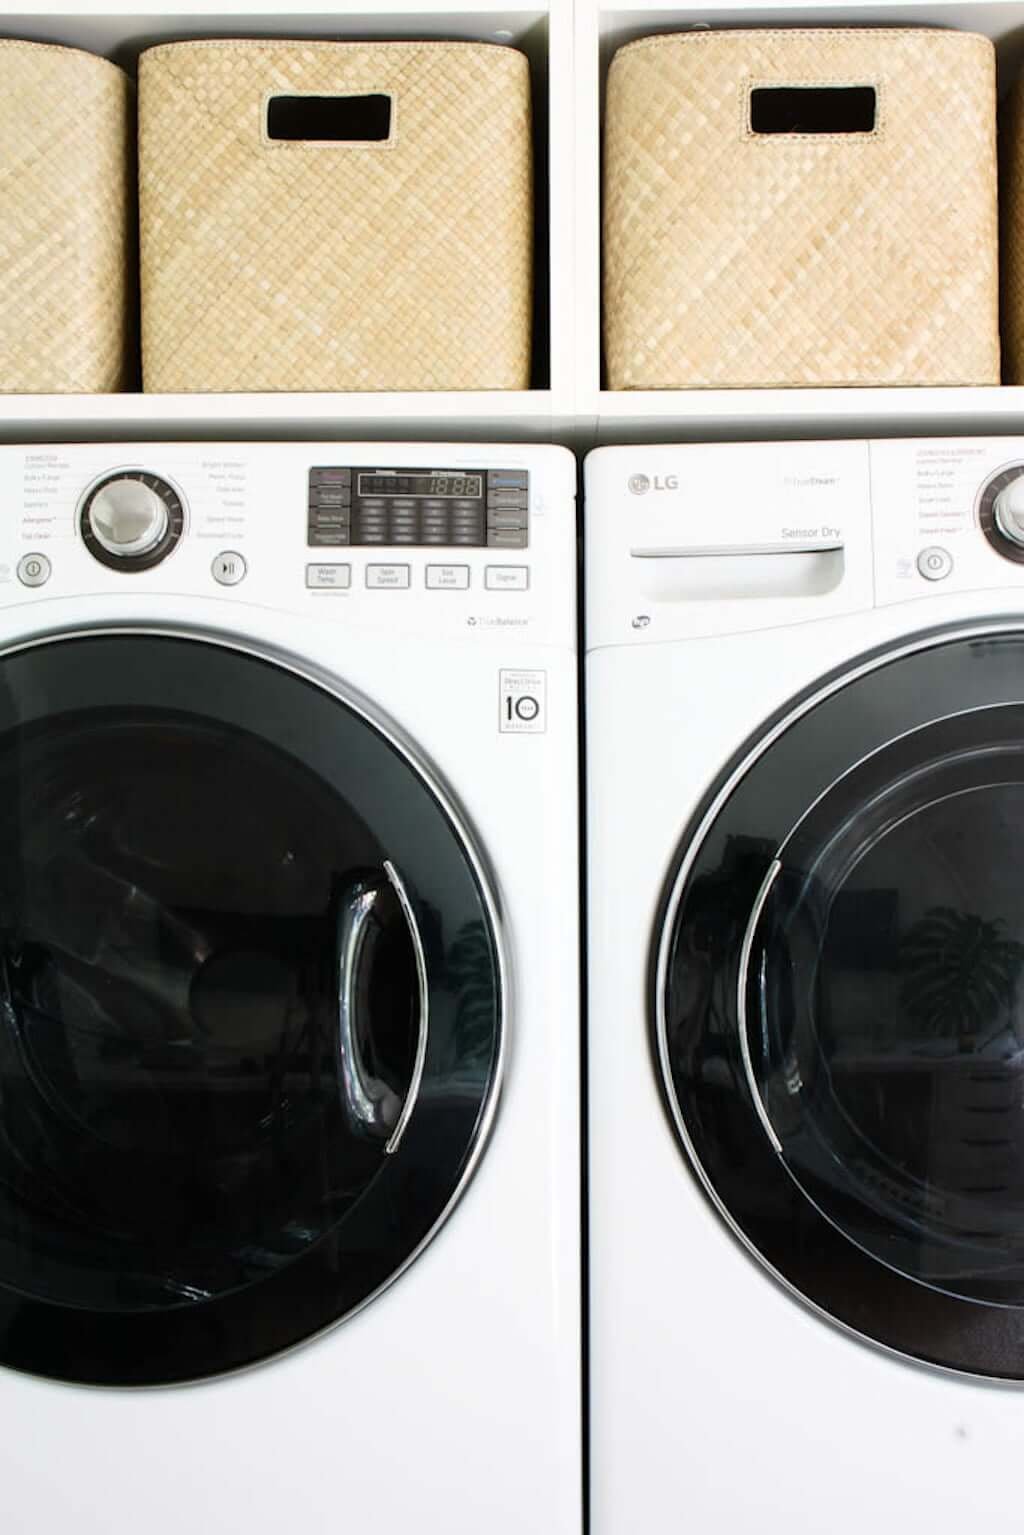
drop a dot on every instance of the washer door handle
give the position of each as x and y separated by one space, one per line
423 1014
373 1107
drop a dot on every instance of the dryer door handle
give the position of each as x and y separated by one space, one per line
372 1105
742 984
738 551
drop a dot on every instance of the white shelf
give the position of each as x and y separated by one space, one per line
707 415
525 415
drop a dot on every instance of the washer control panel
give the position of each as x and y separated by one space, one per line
443 508
473 540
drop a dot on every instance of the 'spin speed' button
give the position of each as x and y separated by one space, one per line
33 570
935 563
387 577
228 568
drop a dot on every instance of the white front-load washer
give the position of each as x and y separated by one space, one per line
288 905
805 736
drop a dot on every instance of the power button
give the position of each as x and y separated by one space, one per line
33 570
935 563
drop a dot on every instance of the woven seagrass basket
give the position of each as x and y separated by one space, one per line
335 216
1011 200
805 207
67 278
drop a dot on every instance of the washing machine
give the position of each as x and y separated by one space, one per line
805 736
289 1013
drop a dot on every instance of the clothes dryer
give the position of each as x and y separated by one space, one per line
289 988
805 716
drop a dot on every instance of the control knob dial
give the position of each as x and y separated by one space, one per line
1008 510
131 520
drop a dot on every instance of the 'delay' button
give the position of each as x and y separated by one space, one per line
33 570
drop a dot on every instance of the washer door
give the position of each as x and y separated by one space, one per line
251 1008
840 1001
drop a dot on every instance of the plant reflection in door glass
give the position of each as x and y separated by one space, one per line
471 970
960 977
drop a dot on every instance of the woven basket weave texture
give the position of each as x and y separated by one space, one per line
1011 199
66 221
735 259
271 265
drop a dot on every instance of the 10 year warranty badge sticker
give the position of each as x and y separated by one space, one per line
522 703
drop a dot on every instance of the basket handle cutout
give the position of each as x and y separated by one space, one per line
813 109
329 119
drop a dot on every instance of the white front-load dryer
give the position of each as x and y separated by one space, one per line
288 983
805 736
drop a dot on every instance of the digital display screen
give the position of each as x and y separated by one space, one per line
469 485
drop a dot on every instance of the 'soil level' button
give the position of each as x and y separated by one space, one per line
935 563
33 570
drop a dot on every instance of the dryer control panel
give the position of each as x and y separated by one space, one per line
948 516
714 539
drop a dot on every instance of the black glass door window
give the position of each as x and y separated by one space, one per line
842 1019
251 1009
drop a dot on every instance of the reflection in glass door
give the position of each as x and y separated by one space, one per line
841 1019
251 997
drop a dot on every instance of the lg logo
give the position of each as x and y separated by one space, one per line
640 484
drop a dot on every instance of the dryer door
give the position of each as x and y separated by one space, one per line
840 1001
251 1008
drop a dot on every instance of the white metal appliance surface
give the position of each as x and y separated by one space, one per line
805 735
289 988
